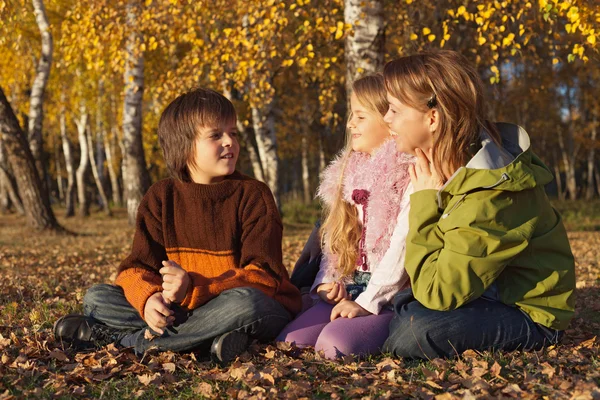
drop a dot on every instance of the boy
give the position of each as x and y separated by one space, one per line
206 263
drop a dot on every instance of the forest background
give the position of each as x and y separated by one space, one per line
83 83
87 81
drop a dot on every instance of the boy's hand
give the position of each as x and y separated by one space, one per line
175 281
348 309
333 292
157 313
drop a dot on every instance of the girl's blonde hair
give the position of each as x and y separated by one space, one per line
447 81
341 230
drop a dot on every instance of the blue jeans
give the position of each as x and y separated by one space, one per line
241 309
482 324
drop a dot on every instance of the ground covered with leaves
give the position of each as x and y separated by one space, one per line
43 277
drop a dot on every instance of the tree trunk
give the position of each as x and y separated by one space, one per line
559 186
591 162
254 158
69 166
263 121
59 178
96 174
36 102
38 213
365 49
135 174
83 209
114 178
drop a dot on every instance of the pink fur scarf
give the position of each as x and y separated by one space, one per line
384 175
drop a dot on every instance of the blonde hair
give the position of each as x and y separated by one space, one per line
341 230
447 81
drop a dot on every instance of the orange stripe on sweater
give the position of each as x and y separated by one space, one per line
209 264
192 250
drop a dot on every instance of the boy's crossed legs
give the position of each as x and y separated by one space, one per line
243 310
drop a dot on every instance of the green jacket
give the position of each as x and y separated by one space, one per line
490 231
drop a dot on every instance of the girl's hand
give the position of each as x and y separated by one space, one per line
157 313
333 292
423 175
175 281
348 309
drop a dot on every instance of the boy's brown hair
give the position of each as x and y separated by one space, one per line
180 125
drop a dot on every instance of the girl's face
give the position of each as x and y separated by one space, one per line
366 127
410 127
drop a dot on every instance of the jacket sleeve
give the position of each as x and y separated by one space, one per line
138 274
450 268
261 264
389 276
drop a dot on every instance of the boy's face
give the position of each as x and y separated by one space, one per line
216 153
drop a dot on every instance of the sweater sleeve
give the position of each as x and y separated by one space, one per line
450 268
261 264
389 276
138 274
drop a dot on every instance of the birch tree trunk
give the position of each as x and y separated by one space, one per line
4 199
263 121
135 174
112 173
254 158
558 177
365 48
59 178
96 175
69 166
38 213
83 209
591 161
36 102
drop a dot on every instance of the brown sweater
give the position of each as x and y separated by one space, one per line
225 235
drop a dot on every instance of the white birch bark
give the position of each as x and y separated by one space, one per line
254 158
112 173
69 166
364 49
83 208
95 173
263 121
36 101
136 179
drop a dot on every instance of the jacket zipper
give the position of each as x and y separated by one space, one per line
503 178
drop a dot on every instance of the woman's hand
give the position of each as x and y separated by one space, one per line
423 174
348 309
333 292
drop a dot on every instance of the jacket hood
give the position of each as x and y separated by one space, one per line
512 167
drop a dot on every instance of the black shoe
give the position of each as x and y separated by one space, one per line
85 332
228 346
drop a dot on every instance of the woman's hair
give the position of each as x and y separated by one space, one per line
447 81
180 125
341 230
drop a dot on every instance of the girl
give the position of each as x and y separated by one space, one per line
362 191
488 257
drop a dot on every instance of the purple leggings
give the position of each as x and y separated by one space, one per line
343 336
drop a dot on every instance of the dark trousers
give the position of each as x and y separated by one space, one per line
418 332
241 309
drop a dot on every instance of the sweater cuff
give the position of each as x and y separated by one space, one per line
187 300
138 285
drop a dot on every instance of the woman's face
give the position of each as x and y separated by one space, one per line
410 127
366 127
